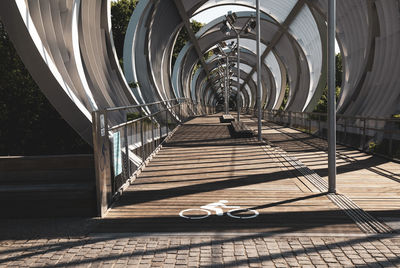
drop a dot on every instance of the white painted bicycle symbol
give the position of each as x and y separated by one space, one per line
217 207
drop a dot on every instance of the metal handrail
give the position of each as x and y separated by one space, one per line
121 151
341 116
141 105
141 118
366 127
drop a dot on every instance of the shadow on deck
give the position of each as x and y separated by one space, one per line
202 164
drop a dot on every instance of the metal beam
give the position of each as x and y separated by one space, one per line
259 70
238 104
226 86
193 39
331 96
277 37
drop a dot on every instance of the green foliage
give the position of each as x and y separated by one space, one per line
198 66
285 99
339 70
183 38
134 84
322 106
372 146
121 12
29 124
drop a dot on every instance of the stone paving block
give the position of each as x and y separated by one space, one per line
246 255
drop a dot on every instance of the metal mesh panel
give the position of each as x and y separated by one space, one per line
132 142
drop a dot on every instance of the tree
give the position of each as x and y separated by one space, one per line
339 70
121 12
29 124
183 38
322 106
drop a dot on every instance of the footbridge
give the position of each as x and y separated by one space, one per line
220 138
207 178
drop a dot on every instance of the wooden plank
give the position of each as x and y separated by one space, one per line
373 183
202 164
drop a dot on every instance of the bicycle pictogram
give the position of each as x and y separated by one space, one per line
217 207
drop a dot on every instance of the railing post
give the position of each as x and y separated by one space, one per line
364 135
142 140
128 167
319 126
152 133
160 131
166 121
331 97
179 112
345 130
101 148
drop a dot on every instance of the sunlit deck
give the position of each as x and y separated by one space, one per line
202 164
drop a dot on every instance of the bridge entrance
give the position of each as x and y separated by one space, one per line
201 169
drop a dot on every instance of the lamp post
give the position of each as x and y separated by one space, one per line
238 104
219 51
331 97
250 24
259 70
226 84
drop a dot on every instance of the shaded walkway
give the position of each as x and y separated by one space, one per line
298 226
370 181
202 164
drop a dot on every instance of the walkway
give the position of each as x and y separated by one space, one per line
202 164
372 182
298 224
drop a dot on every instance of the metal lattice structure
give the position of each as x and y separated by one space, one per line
68 48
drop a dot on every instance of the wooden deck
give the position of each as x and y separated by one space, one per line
372 182
202 164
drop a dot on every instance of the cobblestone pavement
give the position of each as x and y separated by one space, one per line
204 251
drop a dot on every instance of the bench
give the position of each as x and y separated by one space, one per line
227 118
241 130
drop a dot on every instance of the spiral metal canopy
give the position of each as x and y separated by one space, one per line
68 48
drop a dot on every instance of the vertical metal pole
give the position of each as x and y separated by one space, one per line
166 121
331 96
152 134
364 135
319 126
159 141
128 167
238 104
180 114
142 140
226 85
102 159
259 70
